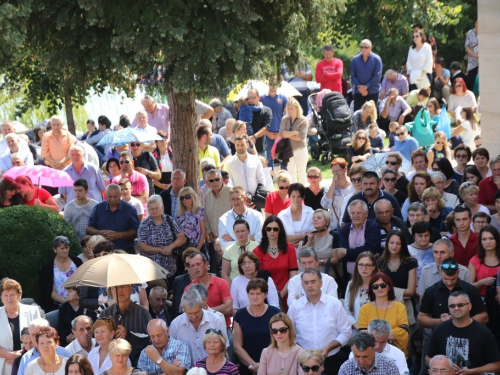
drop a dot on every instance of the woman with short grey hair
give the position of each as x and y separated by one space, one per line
220 116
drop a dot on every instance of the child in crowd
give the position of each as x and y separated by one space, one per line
246 111
421 249
376 141
392 135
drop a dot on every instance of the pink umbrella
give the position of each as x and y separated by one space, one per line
41 175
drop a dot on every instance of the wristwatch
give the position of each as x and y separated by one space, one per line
250 367
158 362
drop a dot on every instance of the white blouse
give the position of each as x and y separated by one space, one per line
418 62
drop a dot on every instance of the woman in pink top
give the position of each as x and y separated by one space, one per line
484 266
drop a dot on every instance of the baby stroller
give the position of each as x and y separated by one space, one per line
333 123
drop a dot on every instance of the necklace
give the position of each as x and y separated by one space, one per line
215 364
386 308
273 250
254 314
393 268
53 368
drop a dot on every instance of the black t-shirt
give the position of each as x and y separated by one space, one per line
402 185
314 201
401 196
401 275
472 346
147 161
16 332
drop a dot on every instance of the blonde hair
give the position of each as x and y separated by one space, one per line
432 192
238 125
297 105
94 241
105 322
196 201
466 188
283 176
370 105
442 135
282 317
119 346
326 215
213 335
311 353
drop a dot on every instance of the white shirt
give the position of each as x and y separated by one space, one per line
93 358
76 348
296 291
6 164
23 146
240 295
137 204
226 221
419 61
319 325
335 206
247 174
305 221
451 200
182 329
396 354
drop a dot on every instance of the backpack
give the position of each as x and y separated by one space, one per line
335 114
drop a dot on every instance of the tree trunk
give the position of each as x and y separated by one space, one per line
68 106
183 134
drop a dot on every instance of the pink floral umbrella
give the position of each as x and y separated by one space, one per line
42 176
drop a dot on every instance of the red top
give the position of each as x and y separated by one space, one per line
41 194
464 255
488 190
218 293
275 204
329 74
483 271
279 266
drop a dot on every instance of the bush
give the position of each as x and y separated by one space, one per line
26 235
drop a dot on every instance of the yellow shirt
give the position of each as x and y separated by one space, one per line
210 152
232 253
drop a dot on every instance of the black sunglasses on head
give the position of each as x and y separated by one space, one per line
214 330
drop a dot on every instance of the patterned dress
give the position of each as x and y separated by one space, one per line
190 225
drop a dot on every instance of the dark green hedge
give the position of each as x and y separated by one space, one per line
26 235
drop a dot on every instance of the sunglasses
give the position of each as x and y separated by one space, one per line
132 144
124 161
314 368
356 179
252 97
274 229
448 266
214 179
214 330
461 156
275 331
284 187
314 177
387 162
400 134
387 179
381 286
459 305
364 138
187 196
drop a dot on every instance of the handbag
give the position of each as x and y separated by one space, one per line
422 128
259 198
444 123
178 250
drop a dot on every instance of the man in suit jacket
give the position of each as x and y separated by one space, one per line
158 308
169 196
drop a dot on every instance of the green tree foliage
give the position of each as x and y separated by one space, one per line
388 24
26 244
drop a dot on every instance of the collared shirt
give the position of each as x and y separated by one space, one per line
367 72
226 222
210 152
221 145
356 239
430 275
371 211
175 349
296 291
6 164
406 147
277 104
33 354
396 109
123 219
182 328
76 348
94 179
464 254
94 140
57 149
247 174
401 84
488 189
320 324
396 354
160 119
215 207
174 203
94 360
382 365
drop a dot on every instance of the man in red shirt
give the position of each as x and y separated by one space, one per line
219 292
465 241
329 70
489 186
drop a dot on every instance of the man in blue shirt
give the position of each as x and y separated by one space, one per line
404 144
115 219
277 103
366 74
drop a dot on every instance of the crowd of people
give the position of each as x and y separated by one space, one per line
396 272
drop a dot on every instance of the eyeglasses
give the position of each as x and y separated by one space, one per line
284 187
365 266
387 162
187 196
381 286
214 330
124 161
448 266
274 229
400 134
214 179
275 331
132 144
440 371
314 368
459 305
314 177
356 179
248 263
364 47
461 156
386 179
